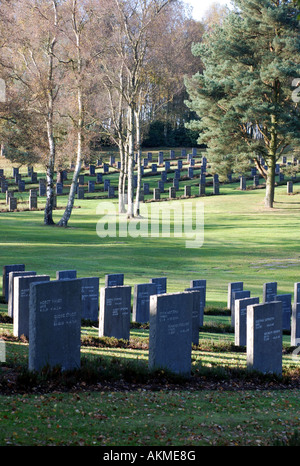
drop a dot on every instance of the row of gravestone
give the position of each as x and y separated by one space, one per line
239 299
48 311
40 304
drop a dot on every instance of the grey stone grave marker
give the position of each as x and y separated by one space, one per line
295 325
80 192
5 277
55 324
91 186
237 295
12 203
21 302
170 336
90 298
66 274
187 191
240 314
269 291
154 168
111 192
81 180
11 276
233 286
286 300
99 178
156 194
114 279
264 337
297 292
243 183
200 298
161 284
59 188
172 192
141 300
115 308
146 188
92 170
290 187
42 187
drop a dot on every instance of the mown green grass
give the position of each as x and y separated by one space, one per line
243 241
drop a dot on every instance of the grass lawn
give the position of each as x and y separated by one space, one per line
243 241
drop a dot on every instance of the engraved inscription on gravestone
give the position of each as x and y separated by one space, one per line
170 337
264 337
55 324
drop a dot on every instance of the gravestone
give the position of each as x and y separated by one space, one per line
187 191
179 164
240 314
167 165
172 192
264 337
243 183
92 170
59 188
146 188
21 186
297 292
161 186
115 308
91 186
90 298
154 168
199 283
66 274
42 187
141 300
164 176
149 155
290 187
237 295
256 181
33 177
80 192
11 276
55 324
202 184
81 180
216 185
286 300
200 299
111 192
190 172
5 277
234 286
114 279
156 194
21 302
160 159
172 154
12 203
161 284
105 168
295 325
106 184
176 184
33 199
269 291
170 335
99 178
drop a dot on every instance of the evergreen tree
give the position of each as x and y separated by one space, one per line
243 97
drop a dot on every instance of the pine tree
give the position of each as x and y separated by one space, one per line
243 97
